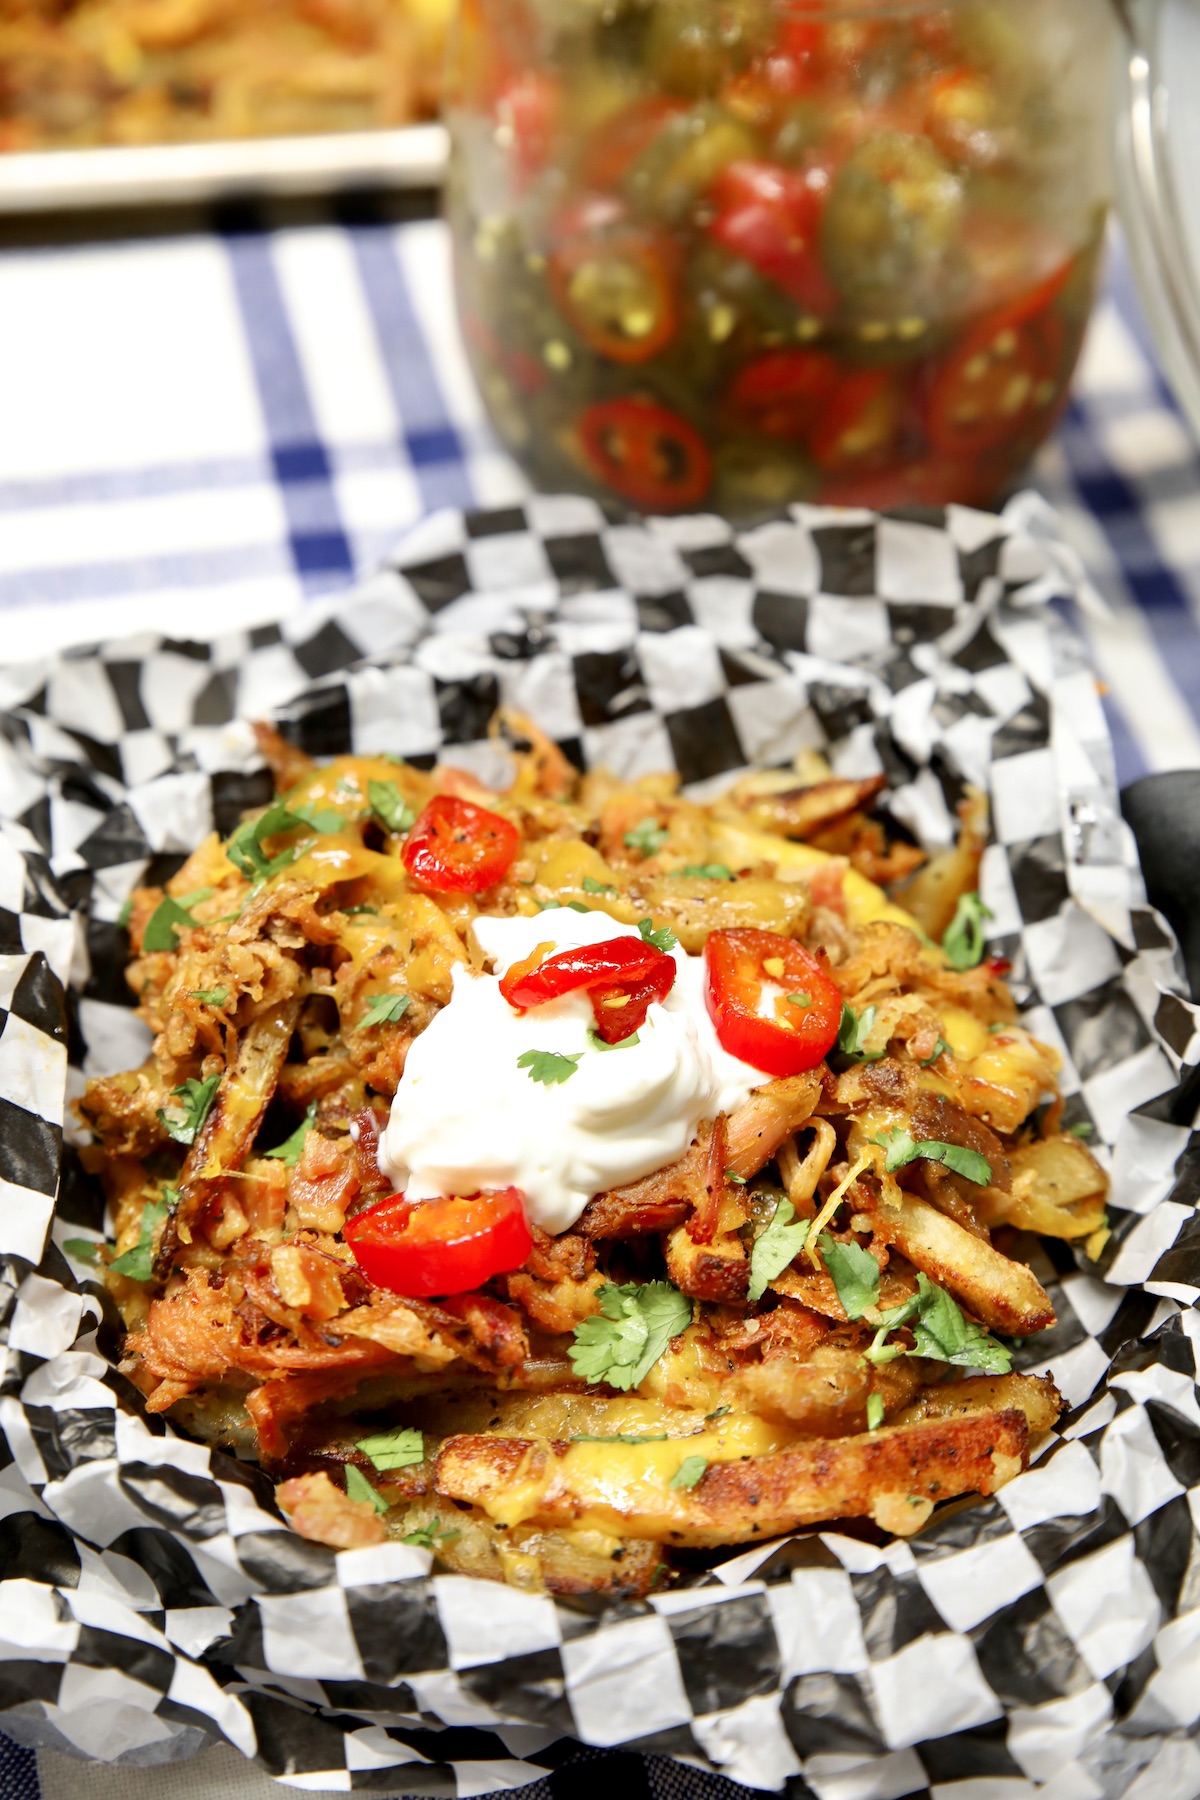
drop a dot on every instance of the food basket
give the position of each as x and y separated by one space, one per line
1047 1639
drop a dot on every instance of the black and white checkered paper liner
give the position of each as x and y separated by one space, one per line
1046 1641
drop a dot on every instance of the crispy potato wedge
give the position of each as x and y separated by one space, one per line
1004 1294
1034 1395
1058 1189
893 1476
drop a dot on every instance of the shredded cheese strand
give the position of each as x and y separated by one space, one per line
831 1205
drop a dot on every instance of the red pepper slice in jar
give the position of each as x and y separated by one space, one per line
456 847
527 114
782 393
771 218
621 140
429 1248
808 1006
623 976
618 291
859 425
646 453
1005 373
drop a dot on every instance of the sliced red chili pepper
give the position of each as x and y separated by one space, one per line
808 1007
1003 374
998 966
528 112
782 392
860 422
432 1247
645 453
623 975
456 847
771 218
618 291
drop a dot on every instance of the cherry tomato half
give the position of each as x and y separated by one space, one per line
618 292
456 847
1004 373
646 453
433 1247
771 218
802 1029
623 975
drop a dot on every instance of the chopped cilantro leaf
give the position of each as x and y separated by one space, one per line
718 1412
708 871
801 999
874 1411
167 918
350 911
690 1471
941 1048
940 1331
1083 1128
962 939
625 1043
549 1066
138 1263
853 1031
359 1488
82 1249
621 1437
399 1449
211 996
389 804
559 905
429 1537
903 1148
195 897
124 914
384 1009
647 837
195 1098
591 886
663 939
292 1148
635 1324
245 848
776 1247
732 1175
855 1274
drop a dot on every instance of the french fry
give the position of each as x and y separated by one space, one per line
1004 1294
1034 1395
894 1476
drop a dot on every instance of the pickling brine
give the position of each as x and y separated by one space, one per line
735 253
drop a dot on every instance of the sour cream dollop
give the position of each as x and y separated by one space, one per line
465 1117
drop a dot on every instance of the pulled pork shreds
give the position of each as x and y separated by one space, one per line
271 1050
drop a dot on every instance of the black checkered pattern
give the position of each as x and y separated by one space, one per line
1046 1639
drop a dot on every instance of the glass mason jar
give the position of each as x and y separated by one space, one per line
734 253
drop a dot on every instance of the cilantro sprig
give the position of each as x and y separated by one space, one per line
432 1536
402 1448
622 1343
167 919
963 939
549 1067
195 1100
853 1031
663 939
690 1471
245 848
775 1248
855 1274
388 803
384 1009
940 1331
138 1262
217 996
903 1148
292 1148
647 837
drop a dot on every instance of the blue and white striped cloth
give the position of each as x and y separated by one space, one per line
214 428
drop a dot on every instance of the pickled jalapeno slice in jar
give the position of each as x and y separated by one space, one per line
754 251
